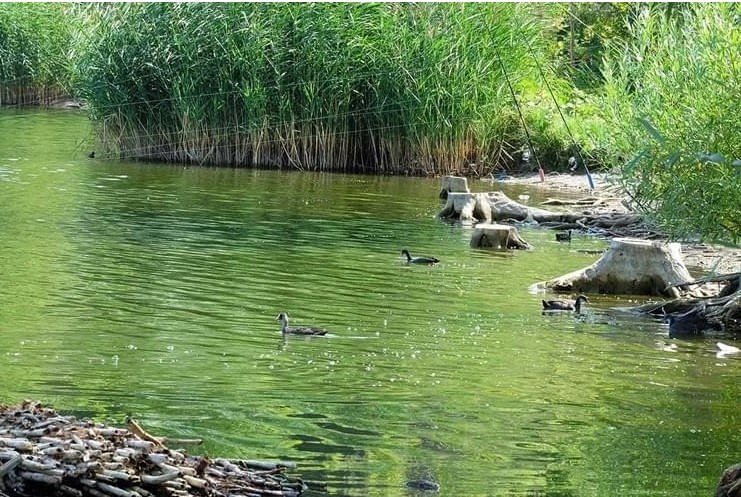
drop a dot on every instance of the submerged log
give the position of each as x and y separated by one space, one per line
497 237
630 266
42 453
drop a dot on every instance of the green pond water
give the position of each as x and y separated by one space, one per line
152 290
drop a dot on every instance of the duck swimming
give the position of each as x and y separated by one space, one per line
564 237
418 260
298 330
565 305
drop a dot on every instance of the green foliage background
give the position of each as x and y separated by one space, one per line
671 94
362 87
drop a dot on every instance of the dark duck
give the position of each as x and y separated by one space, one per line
564 237
418 260
692 323
298 330
565 305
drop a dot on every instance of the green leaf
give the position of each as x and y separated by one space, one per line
652 131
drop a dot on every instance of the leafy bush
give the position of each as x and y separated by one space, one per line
671 100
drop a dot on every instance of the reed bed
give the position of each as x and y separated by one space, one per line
374 87
35 41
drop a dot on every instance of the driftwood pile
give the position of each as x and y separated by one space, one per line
45 454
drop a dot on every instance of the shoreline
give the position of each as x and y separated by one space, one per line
698 257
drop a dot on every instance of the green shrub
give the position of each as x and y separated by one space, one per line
671 102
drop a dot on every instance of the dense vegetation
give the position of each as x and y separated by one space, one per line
671 96
34 60
648 90
357 87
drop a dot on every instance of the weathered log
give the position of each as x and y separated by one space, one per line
629 266
491 206
583 202
497 237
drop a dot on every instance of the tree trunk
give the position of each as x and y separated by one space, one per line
467 207
630 266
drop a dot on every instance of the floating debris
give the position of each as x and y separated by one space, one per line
43 453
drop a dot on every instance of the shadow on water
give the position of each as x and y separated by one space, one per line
153 290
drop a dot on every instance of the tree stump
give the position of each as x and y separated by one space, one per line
457 184
497 237
629 266
467 207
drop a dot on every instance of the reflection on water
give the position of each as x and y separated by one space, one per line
153 290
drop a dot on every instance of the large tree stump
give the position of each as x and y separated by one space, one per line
467 207
497 237
630 266
457 184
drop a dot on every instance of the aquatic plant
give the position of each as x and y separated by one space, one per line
343 87
34 43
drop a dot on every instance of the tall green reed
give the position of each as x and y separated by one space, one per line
34 47
371 87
